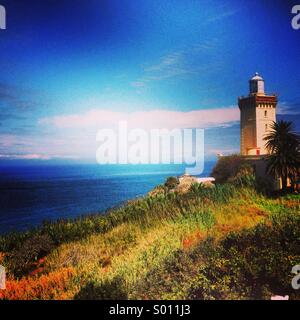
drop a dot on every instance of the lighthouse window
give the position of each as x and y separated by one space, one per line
266 127
266 113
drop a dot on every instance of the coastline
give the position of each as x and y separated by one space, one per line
120 255
70 191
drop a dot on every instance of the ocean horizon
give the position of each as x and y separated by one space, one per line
30 195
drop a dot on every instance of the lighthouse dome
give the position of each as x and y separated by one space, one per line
257 77
257 85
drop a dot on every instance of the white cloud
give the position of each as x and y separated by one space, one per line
100 118
169 60
73 136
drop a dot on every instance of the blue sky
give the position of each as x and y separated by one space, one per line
63 60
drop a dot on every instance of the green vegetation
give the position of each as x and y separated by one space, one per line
284 147
171 183
223 242
233 168
249 264
20 259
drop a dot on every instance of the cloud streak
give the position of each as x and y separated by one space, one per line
178 63
24 157
289 107
221 16
17 98
35 156
100 118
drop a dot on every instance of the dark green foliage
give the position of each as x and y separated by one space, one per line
11 241
264 185
171 183
227 168
20 260
234 170
244 176
60 231
173 277
113 289
284 147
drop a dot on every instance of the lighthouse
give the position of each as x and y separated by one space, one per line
258 112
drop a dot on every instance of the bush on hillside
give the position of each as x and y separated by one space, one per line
20 261
264 185
172 183
244 177
232 169
111 289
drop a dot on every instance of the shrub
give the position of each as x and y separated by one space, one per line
172 183
160 190
110 289
244 176
264 185
168 280
20 261
227 168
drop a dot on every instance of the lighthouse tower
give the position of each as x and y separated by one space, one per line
258 112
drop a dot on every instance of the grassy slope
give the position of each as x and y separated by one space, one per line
191 246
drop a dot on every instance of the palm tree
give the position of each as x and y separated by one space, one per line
284 148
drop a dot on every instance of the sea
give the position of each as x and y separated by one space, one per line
31 194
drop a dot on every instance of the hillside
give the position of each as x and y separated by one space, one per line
226 242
